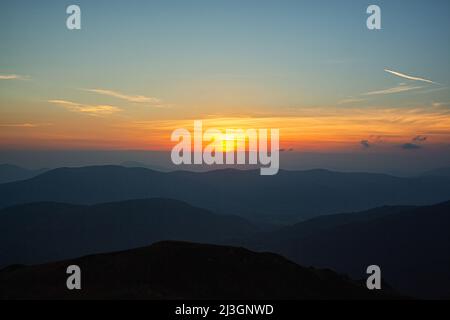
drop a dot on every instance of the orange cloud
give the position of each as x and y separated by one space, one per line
87 109
311 129
315 129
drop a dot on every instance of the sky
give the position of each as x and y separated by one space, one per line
137 70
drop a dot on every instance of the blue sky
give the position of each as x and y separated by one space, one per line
302 50
311 65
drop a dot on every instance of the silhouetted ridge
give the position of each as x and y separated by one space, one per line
289 197
410 244
41 232
176 270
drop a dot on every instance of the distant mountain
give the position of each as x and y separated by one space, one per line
175 270
278 238
441 172
136 164
42 232
411 245
10 173
285 198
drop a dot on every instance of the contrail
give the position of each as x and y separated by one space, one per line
405 76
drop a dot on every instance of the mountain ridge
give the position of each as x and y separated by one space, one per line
411 246
180 270
289 197
11 173
48 231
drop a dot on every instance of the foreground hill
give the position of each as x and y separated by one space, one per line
175 270
287 197
42 232
410 244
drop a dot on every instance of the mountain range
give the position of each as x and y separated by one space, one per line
289 197
42 232
410 244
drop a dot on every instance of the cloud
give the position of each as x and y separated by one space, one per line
398 89
365 144
410 146
405 76
129 98
25 125
350 100
440 104
420 139
402 87
433 90
87 109
13 77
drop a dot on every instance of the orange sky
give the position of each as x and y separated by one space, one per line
304 129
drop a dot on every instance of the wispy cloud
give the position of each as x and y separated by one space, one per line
405 76
350 100
129 98
87 109
402 87
440 104
24 125
13 77
398 89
